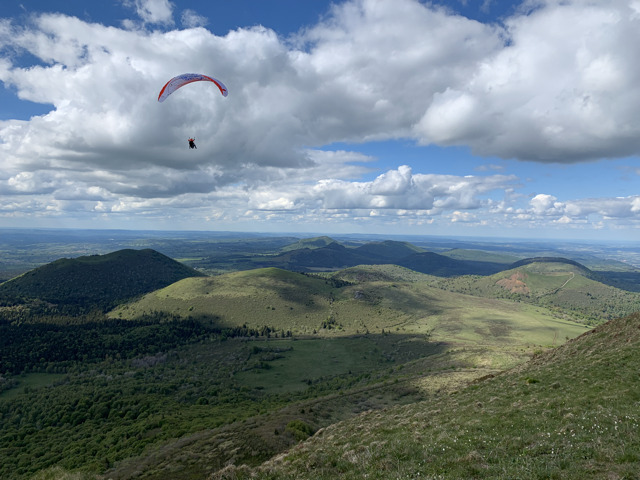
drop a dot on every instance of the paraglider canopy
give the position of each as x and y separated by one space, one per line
186 78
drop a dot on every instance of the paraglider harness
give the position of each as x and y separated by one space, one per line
192 143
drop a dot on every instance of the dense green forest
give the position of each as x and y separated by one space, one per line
99 394
53 347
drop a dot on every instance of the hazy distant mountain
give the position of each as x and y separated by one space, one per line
443 266
389 250
315 242
332 256
325 254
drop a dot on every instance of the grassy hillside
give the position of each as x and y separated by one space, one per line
389 273
562 286
308 305
337 393
96 280
569 413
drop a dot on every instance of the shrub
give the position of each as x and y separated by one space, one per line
300 430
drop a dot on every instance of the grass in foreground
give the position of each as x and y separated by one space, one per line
570 413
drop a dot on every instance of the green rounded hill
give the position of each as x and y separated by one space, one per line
96 280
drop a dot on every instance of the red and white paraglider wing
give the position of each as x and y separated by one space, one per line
186 78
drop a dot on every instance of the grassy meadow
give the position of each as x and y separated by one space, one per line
570 413
309 305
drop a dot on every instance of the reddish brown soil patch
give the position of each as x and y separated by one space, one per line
515 283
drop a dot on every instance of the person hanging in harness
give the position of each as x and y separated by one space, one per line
192 143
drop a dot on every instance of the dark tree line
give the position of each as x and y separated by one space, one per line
40 346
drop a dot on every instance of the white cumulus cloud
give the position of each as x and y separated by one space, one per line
555 83
152 11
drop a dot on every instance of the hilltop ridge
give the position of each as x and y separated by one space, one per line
551 260
557 283
96 280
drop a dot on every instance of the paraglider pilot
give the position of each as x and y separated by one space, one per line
192 143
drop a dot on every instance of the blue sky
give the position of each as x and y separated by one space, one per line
479 118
